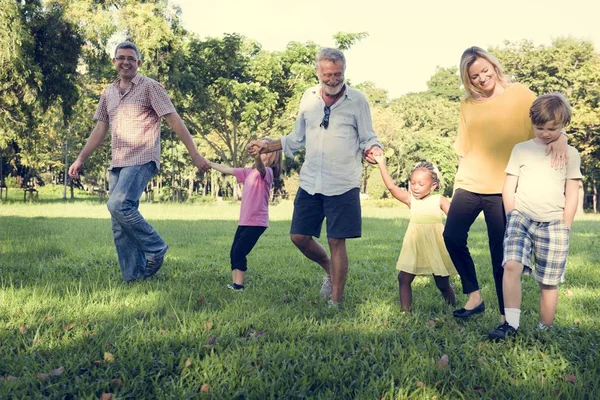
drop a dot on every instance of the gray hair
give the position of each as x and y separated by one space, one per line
128 45
333 55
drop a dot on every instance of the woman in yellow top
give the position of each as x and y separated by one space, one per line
494 116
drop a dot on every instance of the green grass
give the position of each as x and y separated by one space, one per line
64 316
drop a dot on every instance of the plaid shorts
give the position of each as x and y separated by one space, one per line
548 242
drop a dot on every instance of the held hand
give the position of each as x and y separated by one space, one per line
75 168
380 158
372 152
256 147
201 163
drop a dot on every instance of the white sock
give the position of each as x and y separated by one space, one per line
513 316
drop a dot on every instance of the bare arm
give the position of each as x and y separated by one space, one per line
260 166
96 138
257 147
221 168
444 204
397 192
176 123
508 192
558 148
571 199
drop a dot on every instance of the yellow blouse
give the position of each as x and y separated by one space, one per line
488 130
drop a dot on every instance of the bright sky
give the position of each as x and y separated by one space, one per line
407 39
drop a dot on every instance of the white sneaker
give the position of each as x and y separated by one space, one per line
326 287
334 305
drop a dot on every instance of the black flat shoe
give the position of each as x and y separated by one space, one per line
464 313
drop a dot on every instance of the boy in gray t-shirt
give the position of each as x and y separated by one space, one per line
540 202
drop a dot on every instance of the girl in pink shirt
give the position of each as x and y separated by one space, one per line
254 213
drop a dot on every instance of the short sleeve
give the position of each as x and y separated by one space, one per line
241 173
159 100
574 165
513 168
101 113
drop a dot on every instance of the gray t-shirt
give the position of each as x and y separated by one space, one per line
541 188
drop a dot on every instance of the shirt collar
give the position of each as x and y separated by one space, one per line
136 79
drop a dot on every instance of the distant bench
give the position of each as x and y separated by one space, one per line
31 192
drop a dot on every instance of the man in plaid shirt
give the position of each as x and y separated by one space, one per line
132 107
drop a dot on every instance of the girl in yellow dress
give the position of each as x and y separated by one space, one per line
423 249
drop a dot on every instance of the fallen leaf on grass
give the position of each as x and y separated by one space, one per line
285 299
48 318
202 300
420 384
42 376
105 396
205 388
109 358
163 331
571 379
56 372
22 329
577 322
97 362
431 323
443 363
479 389
69 326
212 340
208 325
569 293
188 363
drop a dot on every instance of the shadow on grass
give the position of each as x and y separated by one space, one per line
60 282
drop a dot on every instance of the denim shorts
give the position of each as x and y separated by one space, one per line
548 242
342 212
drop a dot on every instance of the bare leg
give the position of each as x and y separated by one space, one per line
312 250
238 276
548 303
474 300
405 288
338 271
511 284
443 284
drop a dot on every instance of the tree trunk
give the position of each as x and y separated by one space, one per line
191 184
595 192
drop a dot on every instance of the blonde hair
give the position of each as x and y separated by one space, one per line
274 160
551 107
467 59
430 167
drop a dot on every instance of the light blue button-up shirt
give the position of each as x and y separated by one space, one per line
333 158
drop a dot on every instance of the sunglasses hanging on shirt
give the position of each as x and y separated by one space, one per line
325 122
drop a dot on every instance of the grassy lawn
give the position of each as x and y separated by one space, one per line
69 329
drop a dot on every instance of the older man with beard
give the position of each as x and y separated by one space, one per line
334 125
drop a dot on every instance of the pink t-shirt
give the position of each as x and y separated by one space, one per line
255 196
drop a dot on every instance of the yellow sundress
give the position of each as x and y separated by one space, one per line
423 249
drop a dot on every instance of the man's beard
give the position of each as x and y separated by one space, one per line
332 90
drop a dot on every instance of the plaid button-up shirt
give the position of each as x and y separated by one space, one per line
134 120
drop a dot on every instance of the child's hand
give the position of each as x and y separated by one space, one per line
380 158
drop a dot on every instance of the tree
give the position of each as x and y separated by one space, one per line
445 83
344 41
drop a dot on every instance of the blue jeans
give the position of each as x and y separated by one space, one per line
134 237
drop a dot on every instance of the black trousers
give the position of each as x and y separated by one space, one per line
244 241
465 208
